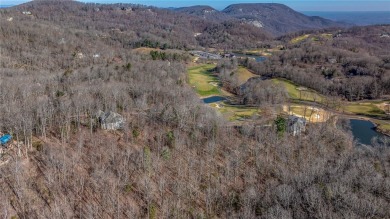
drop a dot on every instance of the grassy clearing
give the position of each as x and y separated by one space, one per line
147 50
244 74
363 108
257 52
383 105
322 37
327 35
297 92
299 39
382 126
301 111
312 114
204 83
234 113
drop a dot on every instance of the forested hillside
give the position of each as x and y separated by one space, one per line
175 157
352 63
277 19
137 25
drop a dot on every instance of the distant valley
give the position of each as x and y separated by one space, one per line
354 17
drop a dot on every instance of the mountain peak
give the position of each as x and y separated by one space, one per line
197 9
276 18
252 6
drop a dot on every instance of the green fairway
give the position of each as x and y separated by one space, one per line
327 35
204 82
367 108
300 38
233 113
206 85
297 92
382 126
257 52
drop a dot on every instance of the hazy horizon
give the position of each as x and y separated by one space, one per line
304 5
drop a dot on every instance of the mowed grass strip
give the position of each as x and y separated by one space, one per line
327 35
204 82
299 39
298 93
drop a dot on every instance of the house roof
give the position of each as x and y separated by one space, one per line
296 120
109 117
5 138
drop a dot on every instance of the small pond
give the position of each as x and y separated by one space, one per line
257 58
364 131
213 99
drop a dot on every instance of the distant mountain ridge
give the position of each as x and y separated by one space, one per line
277 19
197 9
139 25
237 26
205 12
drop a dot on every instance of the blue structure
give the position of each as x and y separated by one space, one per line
5 139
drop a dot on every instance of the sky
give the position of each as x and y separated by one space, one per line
302 5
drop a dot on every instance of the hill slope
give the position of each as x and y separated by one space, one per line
277 18
205 12
133 24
